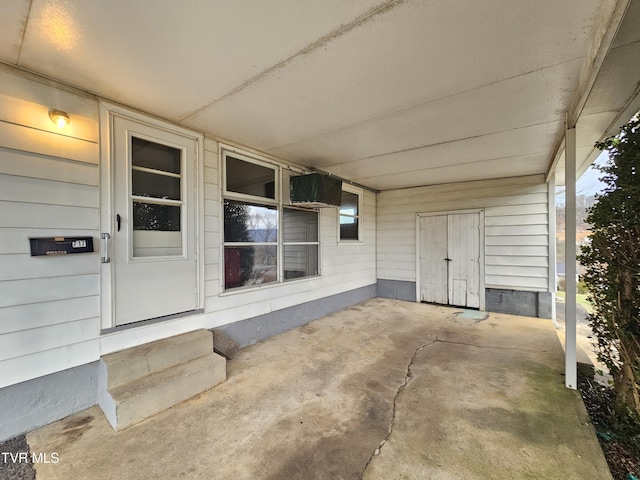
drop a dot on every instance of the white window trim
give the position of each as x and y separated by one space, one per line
279 202
360 192
243 197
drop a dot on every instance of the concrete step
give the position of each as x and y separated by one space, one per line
128 365
139 382
135 401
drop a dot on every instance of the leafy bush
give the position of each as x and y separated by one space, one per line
612 261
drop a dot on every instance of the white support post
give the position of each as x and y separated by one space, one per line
571 367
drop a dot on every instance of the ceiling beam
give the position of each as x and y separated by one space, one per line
601 43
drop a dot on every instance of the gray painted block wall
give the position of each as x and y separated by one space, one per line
34 403
528 304
513 302
253 330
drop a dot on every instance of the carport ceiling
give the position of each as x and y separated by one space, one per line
389 94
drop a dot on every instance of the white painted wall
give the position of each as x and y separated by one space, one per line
50 186
516 228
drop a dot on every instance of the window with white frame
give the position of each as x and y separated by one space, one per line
264 241
350 214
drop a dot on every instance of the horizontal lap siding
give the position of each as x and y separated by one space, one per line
516 228
49 186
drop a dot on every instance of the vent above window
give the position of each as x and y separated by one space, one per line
315 190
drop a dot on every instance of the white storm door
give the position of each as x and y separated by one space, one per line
154 222
433 254
463 260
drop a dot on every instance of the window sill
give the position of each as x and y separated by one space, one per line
256 288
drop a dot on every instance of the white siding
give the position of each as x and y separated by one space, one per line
49 182
516 228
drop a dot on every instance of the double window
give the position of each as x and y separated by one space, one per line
264 241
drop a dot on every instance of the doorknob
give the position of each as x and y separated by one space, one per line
118 219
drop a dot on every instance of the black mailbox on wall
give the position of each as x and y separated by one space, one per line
60 245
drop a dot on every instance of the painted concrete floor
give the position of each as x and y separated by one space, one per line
383 390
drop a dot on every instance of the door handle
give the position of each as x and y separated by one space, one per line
448 260
106 237
118 220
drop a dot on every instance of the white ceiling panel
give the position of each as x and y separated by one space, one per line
172 57
508 144
411 55
13 16
500 168
494 108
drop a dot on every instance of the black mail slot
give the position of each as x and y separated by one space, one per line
60 245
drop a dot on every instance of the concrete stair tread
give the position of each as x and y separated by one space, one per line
149 382
128 365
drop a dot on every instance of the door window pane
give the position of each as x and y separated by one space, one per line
244 222
249 178
249 266
300 261
148 154
300 225
149 216
145 184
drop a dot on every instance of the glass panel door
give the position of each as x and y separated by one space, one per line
156 199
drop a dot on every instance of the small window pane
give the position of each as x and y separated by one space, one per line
250 265
250 179
244 222
300 226
144 184
148 216
154 243
300 261
349 204
145 153
348 228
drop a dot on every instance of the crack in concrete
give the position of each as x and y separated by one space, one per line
488 346
407 378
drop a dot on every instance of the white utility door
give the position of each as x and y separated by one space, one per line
450 259
154 222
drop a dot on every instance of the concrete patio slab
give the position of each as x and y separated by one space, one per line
382 390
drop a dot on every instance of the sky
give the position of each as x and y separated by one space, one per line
589 183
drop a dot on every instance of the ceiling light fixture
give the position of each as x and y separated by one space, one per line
60 118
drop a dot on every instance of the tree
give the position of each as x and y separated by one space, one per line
236 219
612 261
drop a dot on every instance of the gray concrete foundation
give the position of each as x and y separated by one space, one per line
253 330
43 400
396 290
516 302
